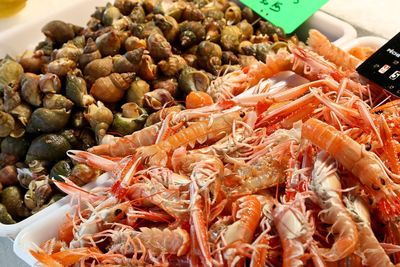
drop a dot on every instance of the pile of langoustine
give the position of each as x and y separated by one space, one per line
295 164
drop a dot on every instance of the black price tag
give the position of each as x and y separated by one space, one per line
383 67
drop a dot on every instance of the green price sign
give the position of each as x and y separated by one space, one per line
287 14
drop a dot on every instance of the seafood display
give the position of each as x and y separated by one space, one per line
288 162
133 64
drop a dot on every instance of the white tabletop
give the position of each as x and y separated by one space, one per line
375 17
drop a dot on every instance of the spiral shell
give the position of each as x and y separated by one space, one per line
15 146
159 98
137 14
112 88
136 91
143 30
49 83
11 98
48 147
192 12
191 32
228 57
57 101
82 174
61 66
76 91
129 62
172 66
131 119
248 14
209 56
32 61
171 85
168 25
133 42
68 50
246 30
230 38
30 90
12 199
266 27
233 14
147 69
45 120
158 46
59 31
90 53
100 119
98 68
60 169
109 43
191 79
7 124
22 112
10 72
110 14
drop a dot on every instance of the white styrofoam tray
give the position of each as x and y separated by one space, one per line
46 226
337 31
26 36
11 230
373 42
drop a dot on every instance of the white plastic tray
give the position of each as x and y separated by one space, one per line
39 232
11 230
337 31
46 226
27 35
367 41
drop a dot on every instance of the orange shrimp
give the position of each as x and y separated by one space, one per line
151 191
373 253
206 176
65 258
363 164
275 63
65 233
198 99
101 218
362 52
326 184
127 145
199 228
128 241
295 229
234 83
246 212
209 130
321 44
389 144
264 173
264 250
313 66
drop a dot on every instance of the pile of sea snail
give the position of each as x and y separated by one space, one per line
134 62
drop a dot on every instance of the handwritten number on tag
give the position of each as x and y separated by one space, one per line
276 6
